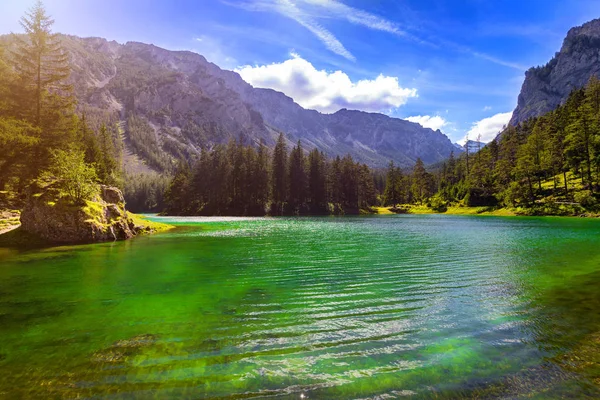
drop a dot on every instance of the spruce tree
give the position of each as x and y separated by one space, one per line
297 178
279 181
393 186
317 181
42 66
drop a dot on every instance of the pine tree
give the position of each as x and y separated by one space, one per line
421 184
177 200
261 176
393 186
108 165
297 178
334 185
317 181
41 96
42 66
279 181
367 194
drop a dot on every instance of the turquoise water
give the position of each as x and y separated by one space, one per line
334 308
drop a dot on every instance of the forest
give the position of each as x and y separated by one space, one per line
547 165
237 179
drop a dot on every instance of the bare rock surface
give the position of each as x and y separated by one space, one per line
547 87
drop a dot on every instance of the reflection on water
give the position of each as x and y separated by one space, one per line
379 307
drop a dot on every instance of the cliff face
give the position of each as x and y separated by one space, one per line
547 87
182 102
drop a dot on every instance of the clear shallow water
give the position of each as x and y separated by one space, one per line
364 307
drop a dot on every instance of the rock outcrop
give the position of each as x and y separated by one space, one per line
57 221
547 87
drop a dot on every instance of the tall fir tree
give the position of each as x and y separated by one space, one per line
297 178
279 174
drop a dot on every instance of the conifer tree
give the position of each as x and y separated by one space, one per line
421 182
42 66
317 181
392 195
279 182
297 177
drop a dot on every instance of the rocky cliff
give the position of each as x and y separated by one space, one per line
547 87
172 103
57 221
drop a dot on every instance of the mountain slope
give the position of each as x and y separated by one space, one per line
545 88
172 103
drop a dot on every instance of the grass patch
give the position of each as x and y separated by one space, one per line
154 226
383 211
452 210
419 209
94 209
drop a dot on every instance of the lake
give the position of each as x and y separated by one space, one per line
328 308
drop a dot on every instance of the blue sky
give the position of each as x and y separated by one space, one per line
453 65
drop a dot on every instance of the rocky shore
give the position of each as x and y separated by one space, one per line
57 221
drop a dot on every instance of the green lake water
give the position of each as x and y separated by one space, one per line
324 308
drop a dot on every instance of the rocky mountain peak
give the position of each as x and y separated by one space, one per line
548 86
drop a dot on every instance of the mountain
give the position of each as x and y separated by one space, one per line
547 87
172 103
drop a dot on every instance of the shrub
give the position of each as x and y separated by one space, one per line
76 180
437 204
585 198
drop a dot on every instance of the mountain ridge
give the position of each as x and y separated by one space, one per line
187 102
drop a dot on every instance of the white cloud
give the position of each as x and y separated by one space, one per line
327 91
488 128
428 121
487 108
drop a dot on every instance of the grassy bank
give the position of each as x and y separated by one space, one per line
453 210
149 226
539 210
500 212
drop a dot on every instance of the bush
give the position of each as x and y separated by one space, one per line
515 194
585 198
437 204
76 180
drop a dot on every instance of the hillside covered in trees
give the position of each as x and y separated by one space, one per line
545 165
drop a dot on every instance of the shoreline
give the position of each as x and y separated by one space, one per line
11 236
477 211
